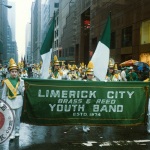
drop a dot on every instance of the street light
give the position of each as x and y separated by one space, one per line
8 6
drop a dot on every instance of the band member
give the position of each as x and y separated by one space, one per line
132 76
116 76
57 72
89 77
123 74
72 74
65 71
24 73
110 72
12 93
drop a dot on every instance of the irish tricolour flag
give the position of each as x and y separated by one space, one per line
46 51
100 57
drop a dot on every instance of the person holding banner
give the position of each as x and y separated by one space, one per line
116 76
110 72
64 70
123 73
12 93
57 72
90 77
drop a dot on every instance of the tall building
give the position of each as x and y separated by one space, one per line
130 28
42 12
32 31
48 7
3 32
36 31
74 29
56 48
12 19
81 24
9 53
15 51
28 57
11 39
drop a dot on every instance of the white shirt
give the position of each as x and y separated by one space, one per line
123 75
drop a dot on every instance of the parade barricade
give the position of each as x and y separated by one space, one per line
58 102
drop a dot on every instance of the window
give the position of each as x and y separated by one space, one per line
71 51
66 53
57 20
127 37
57 33
145 32
56 5
60 53
113 40
57 43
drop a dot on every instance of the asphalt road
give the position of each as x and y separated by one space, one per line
73 138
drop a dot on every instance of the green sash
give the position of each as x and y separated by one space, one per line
12 85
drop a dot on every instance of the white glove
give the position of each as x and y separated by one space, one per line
1 104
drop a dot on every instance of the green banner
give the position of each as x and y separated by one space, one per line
53 102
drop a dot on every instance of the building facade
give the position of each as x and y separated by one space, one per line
49 7
56 35
12 19
3 32
74 36
42 12
15 51
11 39
82 23
28 56
36 31
130 28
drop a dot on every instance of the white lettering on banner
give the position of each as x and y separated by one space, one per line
88 101
70 101
52 107
108 108
92 94
67 94
39 94
84 95
55 94
72 94
47 93
64 94
67 108
119 94
105 101
130 94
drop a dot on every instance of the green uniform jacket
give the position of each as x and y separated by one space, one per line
132 77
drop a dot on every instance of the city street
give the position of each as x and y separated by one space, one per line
69 63
71 138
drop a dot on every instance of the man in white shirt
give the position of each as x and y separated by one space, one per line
123 74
